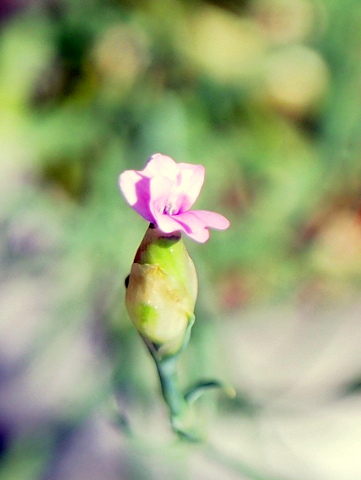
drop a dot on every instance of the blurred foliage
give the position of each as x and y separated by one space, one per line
264 93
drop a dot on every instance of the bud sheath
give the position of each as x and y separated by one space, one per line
162 291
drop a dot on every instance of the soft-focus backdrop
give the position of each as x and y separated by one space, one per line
266 94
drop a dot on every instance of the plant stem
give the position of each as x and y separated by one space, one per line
169 383
176 403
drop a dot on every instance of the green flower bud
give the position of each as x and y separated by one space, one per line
162 292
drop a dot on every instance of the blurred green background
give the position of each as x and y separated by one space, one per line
266 94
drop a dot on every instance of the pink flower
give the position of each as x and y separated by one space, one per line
163 194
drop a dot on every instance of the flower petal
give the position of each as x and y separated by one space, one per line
196 223
136 190
190 184
161 165
169 224
160 191
211 219
201 236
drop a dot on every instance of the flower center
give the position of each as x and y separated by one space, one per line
171 209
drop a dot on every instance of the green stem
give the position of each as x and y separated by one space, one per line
169 384
177 404
167 373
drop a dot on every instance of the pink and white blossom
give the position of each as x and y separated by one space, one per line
163 193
